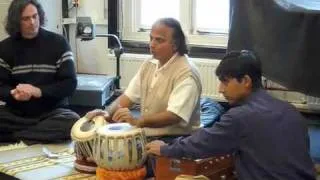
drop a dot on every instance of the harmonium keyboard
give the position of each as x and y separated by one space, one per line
214 168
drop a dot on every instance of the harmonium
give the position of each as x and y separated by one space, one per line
214 168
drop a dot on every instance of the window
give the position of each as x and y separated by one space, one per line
205 22
148 15
212 16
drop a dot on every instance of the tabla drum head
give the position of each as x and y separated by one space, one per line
115 129
85 129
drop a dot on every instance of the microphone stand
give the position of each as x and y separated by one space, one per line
117 52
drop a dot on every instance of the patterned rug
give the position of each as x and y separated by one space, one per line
31 163
12 146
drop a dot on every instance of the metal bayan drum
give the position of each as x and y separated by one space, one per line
120 146
83 133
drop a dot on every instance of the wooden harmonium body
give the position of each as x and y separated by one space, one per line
215 168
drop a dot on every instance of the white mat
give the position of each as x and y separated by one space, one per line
13 146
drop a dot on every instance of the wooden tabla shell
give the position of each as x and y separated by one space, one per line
120 146
83 133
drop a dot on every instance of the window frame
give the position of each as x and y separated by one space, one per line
129 26
201 30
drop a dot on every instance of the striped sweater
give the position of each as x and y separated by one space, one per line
46 62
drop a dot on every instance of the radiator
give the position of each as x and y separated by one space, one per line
210 82
130 64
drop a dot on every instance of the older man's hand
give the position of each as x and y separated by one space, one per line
98 112
154 147
124 115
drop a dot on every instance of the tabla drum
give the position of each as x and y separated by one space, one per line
119 147
83 133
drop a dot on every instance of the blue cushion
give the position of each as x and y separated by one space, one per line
314 134
210 111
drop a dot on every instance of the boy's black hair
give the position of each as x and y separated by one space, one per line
237 64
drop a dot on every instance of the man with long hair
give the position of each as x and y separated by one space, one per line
168 87
37 75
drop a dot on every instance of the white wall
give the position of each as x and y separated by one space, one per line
91 56
53 13
4 4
